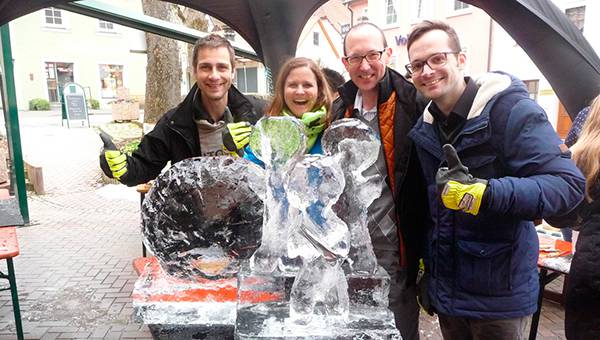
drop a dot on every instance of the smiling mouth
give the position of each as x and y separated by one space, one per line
433 82
300 102
366 76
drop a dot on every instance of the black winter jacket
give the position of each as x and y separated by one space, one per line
175 137
582 307
410 194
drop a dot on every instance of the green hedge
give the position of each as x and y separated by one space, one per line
94 104
39 104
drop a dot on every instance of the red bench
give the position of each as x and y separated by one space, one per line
9 248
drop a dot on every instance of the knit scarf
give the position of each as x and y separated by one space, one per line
314 123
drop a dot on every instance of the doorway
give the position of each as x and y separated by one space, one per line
57 75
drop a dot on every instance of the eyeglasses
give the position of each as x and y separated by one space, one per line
434 61
371 57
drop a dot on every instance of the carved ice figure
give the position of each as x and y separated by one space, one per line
204 215
355 147
320 237
278 142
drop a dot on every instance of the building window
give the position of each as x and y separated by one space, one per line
419 9
53 17
316 38
111 78
458 5
229 33
391 17
247 79
106 26
532 88
577 16
344 28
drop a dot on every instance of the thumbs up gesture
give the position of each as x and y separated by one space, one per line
112 161
459 190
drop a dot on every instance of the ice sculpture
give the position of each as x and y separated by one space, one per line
278 142
323 302
313 186
355 147
200 219
204 215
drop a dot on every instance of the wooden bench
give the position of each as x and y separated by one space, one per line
9 248
35 177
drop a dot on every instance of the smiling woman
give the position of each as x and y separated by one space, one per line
301 91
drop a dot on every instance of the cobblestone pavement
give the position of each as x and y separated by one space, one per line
74 273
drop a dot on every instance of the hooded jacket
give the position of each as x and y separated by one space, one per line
485 266
175 137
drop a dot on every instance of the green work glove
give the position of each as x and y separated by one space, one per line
459 189
237 136
314 121
112 161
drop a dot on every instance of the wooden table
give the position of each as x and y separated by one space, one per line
551 266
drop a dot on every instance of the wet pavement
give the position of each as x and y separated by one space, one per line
74 272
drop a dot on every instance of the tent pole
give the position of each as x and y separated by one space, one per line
12 123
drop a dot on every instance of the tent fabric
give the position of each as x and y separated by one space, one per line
555 45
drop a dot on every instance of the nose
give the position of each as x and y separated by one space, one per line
426 69
364 64
300 89
214 74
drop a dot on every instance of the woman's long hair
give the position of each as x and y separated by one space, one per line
586 152
324 97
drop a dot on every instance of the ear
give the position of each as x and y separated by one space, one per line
462 60
387 55
345 62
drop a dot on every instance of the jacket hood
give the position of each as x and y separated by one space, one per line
491 86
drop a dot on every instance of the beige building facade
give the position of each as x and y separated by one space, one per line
52 47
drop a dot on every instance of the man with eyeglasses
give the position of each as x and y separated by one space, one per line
385 101
482 244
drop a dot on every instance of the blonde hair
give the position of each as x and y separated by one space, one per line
586 152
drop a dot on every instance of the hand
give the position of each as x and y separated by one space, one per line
313 120
459 190
112 158
237 136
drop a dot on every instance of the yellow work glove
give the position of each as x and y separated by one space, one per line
237 136
459 190
423 289
112 161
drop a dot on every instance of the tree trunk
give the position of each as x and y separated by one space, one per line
163 72
193 19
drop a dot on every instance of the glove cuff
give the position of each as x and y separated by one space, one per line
465 197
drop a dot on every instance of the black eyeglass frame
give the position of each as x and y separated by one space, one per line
379 53
409 67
